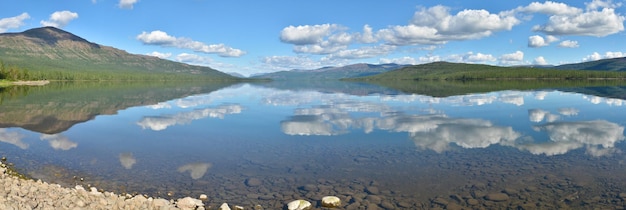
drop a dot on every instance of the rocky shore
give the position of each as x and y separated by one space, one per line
18 192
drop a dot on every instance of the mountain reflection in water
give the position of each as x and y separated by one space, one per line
250 145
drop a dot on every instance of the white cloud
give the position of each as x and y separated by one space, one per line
596 4
540 61
512 58
436 25
550 8
569 44
538 41
364 52
60 19
471 57
160 55
13 22
59 141
163 39
127 4
368 35
402 60
306 34
607 55
591 23
193 59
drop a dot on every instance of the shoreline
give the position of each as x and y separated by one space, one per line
21 193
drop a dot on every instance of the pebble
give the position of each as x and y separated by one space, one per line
299 205
497 197
253 182
331 201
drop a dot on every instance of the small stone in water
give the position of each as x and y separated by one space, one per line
253 182
331 201
497 197
299 205
203 197
224 206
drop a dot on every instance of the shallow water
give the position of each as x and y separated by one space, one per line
249 144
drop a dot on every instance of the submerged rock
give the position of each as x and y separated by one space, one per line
299 205
224 206
331 201
497 197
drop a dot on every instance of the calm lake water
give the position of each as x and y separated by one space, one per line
267 144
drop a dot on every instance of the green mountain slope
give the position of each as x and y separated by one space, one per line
332 73
50 49
613 64
462 71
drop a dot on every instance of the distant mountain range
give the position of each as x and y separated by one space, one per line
53 49
334 73
612 64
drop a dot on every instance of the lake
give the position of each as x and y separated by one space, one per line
372 146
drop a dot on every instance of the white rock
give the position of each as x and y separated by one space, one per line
299 205
224 206
188 203
203 197
331 201
238 208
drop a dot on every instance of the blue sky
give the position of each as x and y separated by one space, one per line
250 37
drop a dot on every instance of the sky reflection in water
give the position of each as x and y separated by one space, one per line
211 135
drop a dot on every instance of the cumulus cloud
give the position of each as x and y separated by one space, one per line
512 58
196 170
13 22
60 19
401 60
569 44
127 160
158 123
160 55
590 23
364 52
550 8
540 61
127 4
161 38
13 138
59 141
436 25
325 38
471 57
193 59
607 55
538 41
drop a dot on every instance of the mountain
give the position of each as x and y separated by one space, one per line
52 49
463 71
334 73
612 64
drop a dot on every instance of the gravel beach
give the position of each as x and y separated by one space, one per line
19 193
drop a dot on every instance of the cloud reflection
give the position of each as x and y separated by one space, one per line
437 132
127 160
59 141
158 123
13 138
598 137
538 115
196 170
